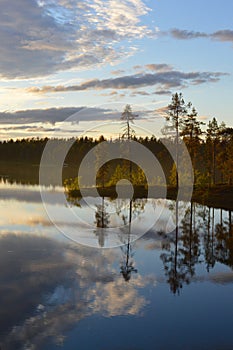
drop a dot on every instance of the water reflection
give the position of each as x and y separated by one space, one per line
46 287
102 221
127 267
49 285
28 174
203 236
126 213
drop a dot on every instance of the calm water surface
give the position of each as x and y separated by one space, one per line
170 289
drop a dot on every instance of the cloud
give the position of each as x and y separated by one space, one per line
116 298
53 115
58 288
137 67
163 92
141 93
162 111
163 67
223 35
39 38
185 34
111 94
118 72
220 35
29 128
26 195
164 79
50 115
203 117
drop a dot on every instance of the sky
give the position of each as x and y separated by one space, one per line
88 59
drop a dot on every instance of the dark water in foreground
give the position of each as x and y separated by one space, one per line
167 290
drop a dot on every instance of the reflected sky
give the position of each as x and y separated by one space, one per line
55 293
30 215
47 287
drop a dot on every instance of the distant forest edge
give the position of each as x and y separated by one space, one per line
211 153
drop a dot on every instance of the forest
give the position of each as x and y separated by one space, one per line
210 148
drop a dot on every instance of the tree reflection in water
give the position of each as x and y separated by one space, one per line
127 265
135 208
209 240
173 258
204 237
197 239
224 244
126 210
102 222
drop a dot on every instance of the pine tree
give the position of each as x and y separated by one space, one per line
191 132
212 141
176 111
128 116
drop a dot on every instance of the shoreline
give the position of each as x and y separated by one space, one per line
219 196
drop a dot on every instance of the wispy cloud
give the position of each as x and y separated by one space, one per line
39 38
223 35
220 35
159 67
141 93
40 118
186 34
163 79
50 115
163 92
118 72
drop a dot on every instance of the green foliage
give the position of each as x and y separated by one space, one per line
157 181
184 178
102 171
191 132
202 181
212 155
225 161
172 178
136 177
72 184
177 109
213 146
213 130
119 174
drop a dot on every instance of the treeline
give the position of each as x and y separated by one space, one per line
22 154
211 152
210 148
22 151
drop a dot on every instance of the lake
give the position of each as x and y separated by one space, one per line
78 285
